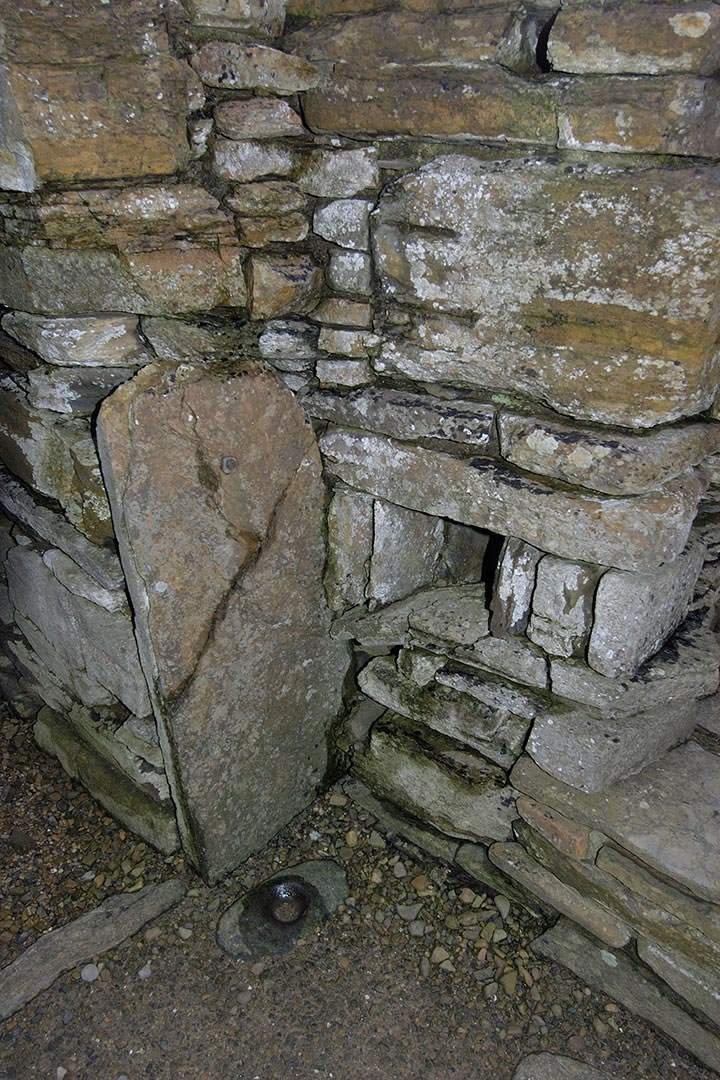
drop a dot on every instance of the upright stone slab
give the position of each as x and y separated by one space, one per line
217 497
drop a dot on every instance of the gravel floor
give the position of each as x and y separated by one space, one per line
419 975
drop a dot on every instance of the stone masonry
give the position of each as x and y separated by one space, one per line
359 408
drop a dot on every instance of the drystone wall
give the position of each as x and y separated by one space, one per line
476 246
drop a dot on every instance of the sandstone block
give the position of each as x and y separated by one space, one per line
339 312
290 344
232 699
78 582
261 17
493 731
184 341
615 974
250 160
543 322
259 232
636 40
454 615
233 66
674 796
562 606
358 344
656 115
515 658
339 174
616 462
93 341
428 839
278 285
696 984
407 546
335 371
408 416
350 271
567 836
494 692
73 391
344 222
350 545
514 861
265 198
631 533
435 779
418 665
513 588
635 613
257 118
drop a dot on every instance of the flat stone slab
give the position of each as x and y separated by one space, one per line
556 1067
668 815
218 502
117 918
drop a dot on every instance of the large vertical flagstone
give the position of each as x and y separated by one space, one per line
217 497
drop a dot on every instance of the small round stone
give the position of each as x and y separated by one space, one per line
89 973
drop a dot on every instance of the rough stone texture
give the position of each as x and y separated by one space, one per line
139 734
513 588
616 462
233 66
567 836
615 974
635 613
93 341
491 691
115 920
418 665
350 544
493 731
235 703
490 103
341 371
455 614
78 582
408 416
281 284
183 341
515 657
556 1067
350 271
73 391
514 861
665 815
266 198
357 344
562 606
406 551
67 119
344 222
590 750
133 806
631 533
442 847
685 668
550 320
339 174
637 39
290 344
658 115
259 232
250 160
258 17
692 982
465 552
340 312
435 779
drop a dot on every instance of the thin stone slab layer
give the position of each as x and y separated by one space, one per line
231 618
556 1067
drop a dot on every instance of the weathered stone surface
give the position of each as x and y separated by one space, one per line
139 734
233 66
562 606
339 174
590 750
708 714
513 588
613 973
358 344
406 551
489 103
259 232
493 692
696 984
567 836
250 160
134 807
59 950
686 668
350 544
67 119
231 697
101 563
547 322
631 533
261 17
637 39
341 312
73 391
514 657
418 665
455 614
344 222
665 815
289 344
442 847
106 341
556 1067
78 582
280 284
495 732
350 271
656 115
514 861
265 198
616 462
408 416
97 730
257 118
337 371
464 554
435 779
635 613
184 341
35 677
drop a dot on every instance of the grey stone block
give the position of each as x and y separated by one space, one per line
514 587
562 605
699 986
406 551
